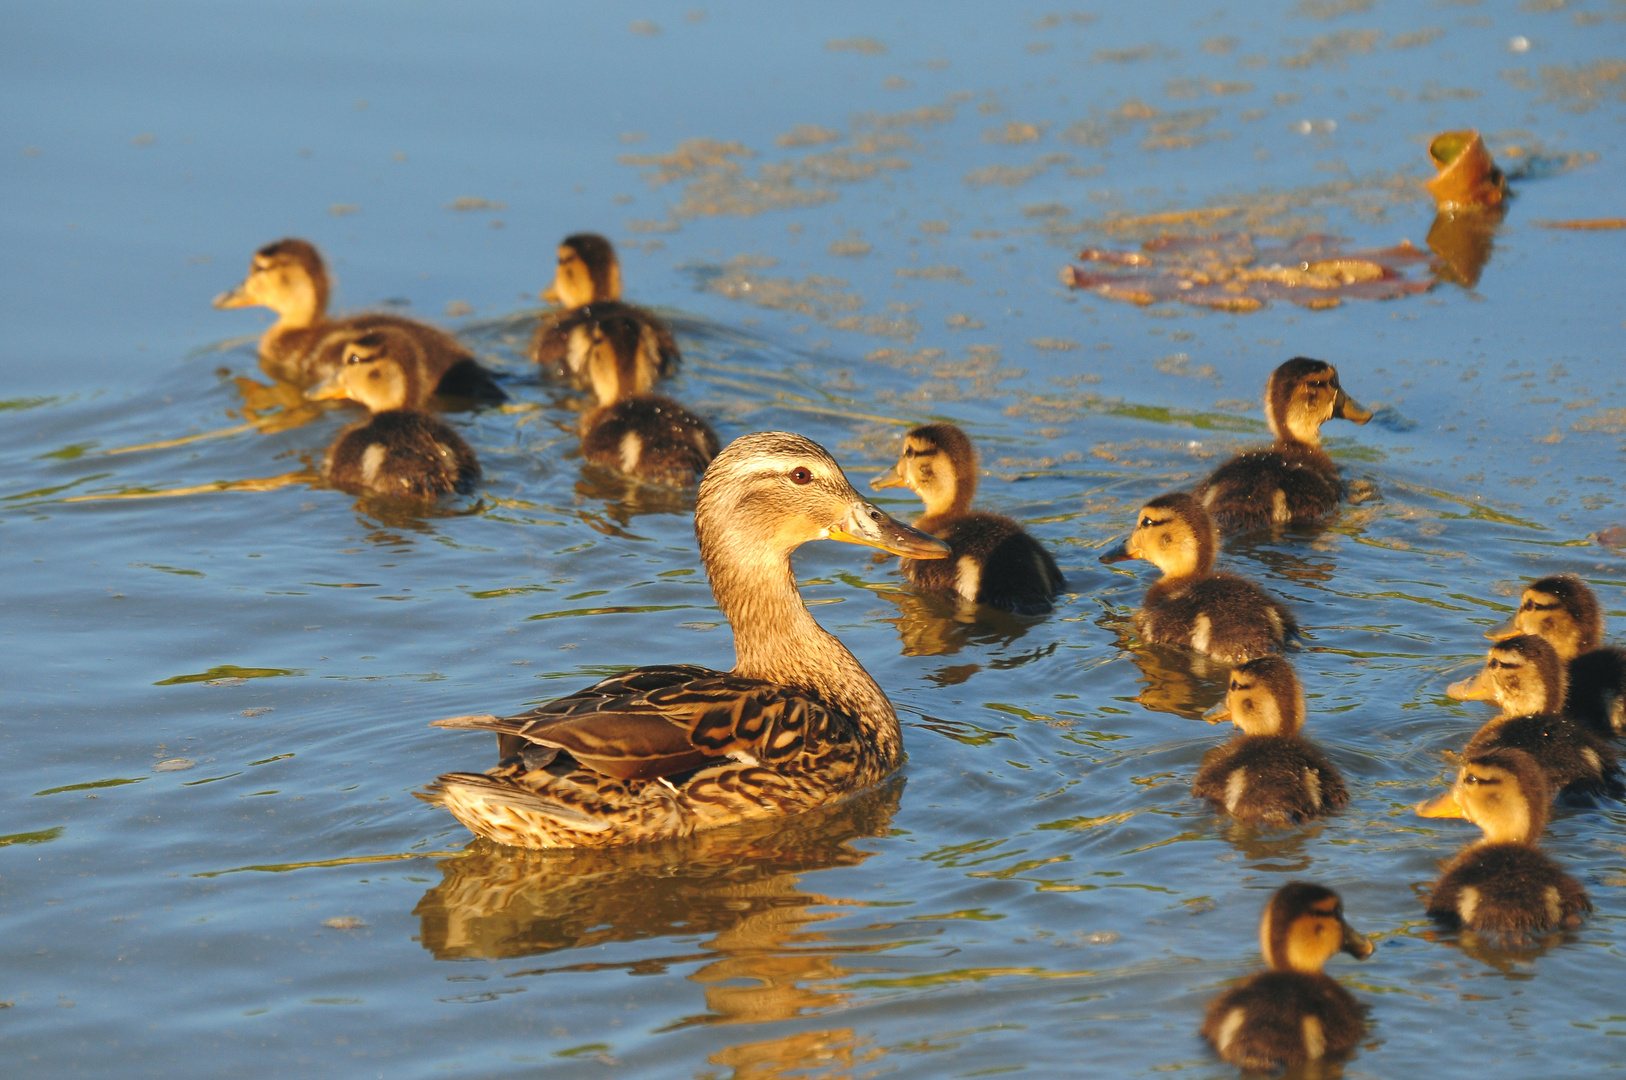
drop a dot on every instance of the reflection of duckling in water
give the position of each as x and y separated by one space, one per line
1294 1013
994 562
644 436
305 346
588 284
1293 479
399 450
1522 674
1563 612
1269 774
1220 615
1503 884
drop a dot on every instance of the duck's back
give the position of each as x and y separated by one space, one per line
1575 760
403 453
550 344
1507 888
995 562
1597 692
1226 617
650 437
1281 1018
1270 780
1278 484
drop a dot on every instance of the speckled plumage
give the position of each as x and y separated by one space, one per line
1285 780
1575 761
401 453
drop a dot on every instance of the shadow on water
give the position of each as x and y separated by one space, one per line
933 625
1176 681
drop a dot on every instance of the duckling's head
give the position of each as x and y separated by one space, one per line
612 356
1562 611
1303 394
288 277
1303 927
940 465
588 271
1264 698
378 369
1522 674
1174 533
1503 791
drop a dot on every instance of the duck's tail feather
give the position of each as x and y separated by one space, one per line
465 788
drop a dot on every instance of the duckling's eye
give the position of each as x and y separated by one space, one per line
1146 523
801 475
353 358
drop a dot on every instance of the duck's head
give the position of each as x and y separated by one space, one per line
588 271
378 369
1562 611
1503 791
1264 698
1303 927
1174 533
1522 674
288 277
1303 394
611 346
939 464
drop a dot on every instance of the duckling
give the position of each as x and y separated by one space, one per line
1503 884
1523 675
399 450
1293 479
661 752
305 346
588 285
1294 1013
995 562
645 436
1562 610
1220 615
1269 774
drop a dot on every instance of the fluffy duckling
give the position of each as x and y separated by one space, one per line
1503 884
994 562
1293 479
1522 674
1220 615
398 451
1294 1013
1269 774
588 285
645 436
305 346
1562 610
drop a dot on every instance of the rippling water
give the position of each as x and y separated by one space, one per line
217 701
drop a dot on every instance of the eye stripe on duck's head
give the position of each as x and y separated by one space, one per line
287 276
1303 927
1526 675
382 369
1301 395
1175 533
938 463
1505 793
1265 698
1563 610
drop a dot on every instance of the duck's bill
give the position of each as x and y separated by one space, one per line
550 295
1444 806
1218 714
1347 408
889 479
1121 553
325 390
1355 943
1478 688
866 525
1505 630
233 298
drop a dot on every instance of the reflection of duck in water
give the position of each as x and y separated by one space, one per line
666 751
588 284
1293 479
399 450
1294 1013
995 561
305 346
1562 611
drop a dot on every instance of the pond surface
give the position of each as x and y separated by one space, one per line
217 703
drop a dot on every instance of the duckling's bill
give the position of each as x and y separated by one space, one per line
1478 688
1122 553
1356 943
1219 714
890 479
327 389
1444 806
1347 408
235 298
864 524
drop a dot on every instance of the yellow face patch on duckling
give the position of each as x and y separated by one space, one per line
939 464
1504 792
1562 611
588 271
288 277
378 371
1522 674
1264 698
1303 394
1303 927
1173 533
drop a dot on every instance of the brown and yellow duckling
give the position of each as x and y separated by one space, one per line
1563 612
1523 675
400 450
1220 615
645 436
1293 1013
1293 479
1503 884
587 285
995 562
305 346
662 752
1269 774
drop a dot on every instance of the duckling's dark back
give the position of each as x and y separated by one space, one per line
995 562
1262 1023
401 453
1274 780
652 438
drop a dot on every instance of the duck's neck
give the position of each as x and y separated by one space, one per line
948 499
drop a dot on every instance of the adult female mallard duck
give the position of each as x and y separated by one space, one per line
1220 615
1562 611
660 752
1522 674
1293 479
994 562
1294 1013
588 286
1503 884
305 346
399 450
1269 774
645 436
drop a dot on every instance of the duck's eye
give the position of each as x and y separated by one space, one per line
801 475
1146 523
353 358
